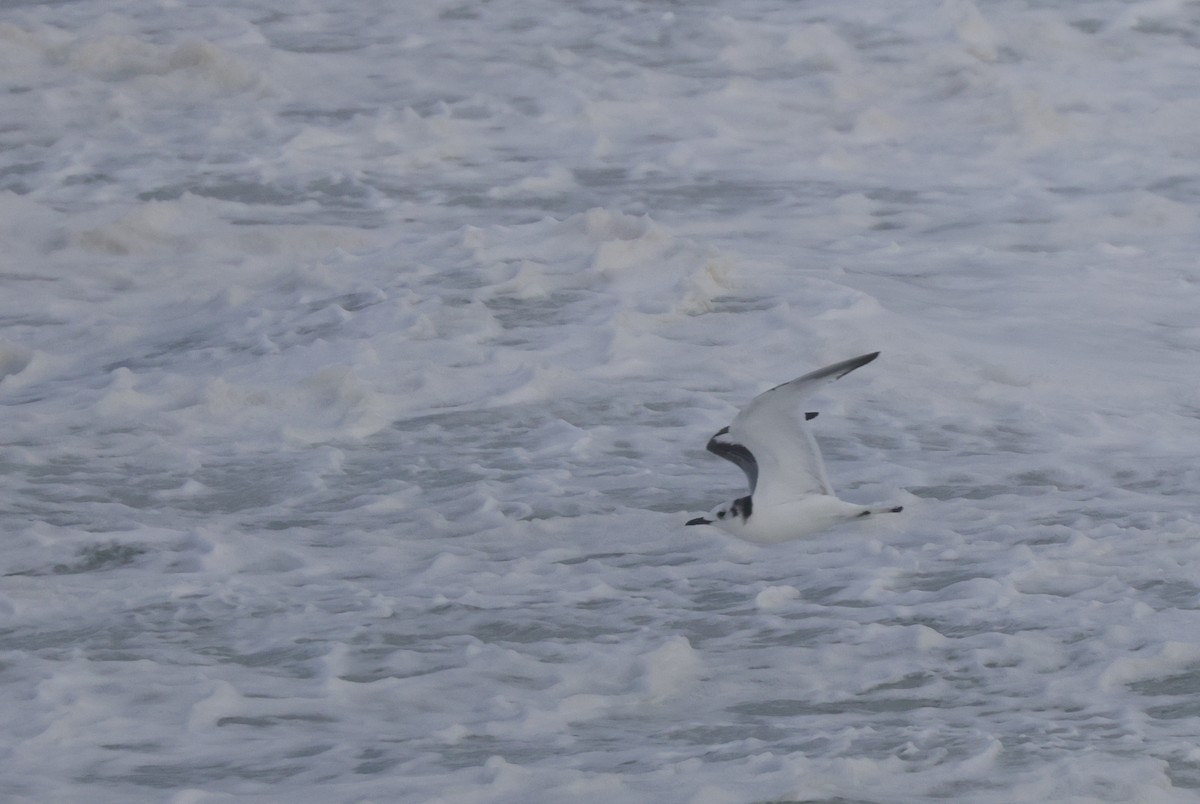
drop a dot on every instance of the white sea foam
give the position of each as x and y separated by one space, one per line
357 365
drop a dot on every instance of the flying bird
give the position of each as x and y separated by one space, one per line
770 441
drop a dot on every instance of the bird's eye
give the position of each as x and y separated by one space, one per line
720 514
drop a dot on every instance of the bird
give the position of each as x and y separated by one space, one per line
790 495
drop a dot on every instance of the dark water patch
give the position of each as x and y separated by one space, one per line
725 733
1180 710
786 707
290 660
1185 683
1169 594
93 558
174 776
1183 773
264 721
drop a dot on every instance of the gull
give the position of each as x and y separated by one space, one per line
790 496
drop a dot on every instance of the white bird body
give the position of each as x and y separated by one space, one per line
790 495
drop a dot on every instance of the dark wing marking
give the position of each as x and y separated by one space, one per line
736 453
808 417
836 371
743 507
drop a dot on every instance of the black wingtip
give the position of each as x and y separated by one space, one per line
895 510
699 521
838 370
859 362
808 417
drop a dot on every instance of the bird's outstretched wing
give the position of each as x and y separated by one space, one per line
772 432
722 444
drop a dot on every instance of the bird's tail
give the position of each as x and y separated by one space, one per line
882 509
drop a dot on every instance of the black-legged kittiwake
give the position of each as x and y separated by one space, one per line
769 439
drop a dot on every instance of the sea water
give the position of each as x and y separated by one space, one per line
357 361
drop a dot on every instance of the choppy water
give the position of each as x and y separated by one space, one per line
357 362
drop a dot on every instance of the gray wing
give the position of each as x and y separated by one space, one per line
721 444
787 460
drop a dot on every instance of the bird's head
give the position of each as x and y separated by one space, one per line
726 514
